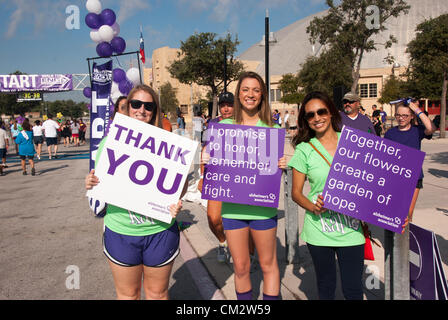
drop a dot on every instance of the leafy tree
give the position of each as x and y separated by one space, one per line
201 61
428 67
393 89
351 25
289 85
168 98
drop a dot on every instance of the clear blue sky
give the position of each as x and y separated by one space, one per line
35 39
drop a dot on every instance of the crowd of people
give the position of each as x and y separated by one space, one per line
27 139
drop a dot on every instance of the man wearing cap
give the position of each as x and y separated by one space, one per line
351 116
225 105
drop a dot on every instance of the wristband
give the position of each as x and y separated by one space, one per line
418 114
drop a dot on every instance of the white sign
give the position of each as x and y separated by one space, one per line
142 168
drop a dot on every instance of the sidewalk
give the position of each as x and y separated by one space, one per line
298 280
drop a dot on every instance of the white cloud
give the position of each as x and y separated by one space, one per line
129 7
40 14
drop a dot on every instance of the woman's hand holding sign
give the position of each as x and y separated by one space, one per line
319 205
91 180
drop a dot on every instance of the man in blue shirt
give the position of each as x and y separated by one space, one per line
351 116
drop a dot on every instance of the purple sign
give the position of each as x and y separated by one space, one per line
426 272
372 179
243 166
34 82
100 111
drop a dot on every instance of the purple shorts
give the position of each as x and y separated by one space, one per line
265 224
156 250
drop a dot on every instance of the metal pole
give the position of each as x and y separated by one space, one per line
291 220
225 68
266 53
396 265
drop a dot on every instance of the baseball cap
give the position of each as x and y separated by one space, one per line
226 97
351 96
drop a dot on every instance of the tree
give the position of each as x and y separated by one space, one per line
289 85
201 61
168 98
393 89
351 25
428 66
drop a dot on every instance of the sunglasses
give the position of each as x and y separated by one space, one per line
347 101
136 104
320 112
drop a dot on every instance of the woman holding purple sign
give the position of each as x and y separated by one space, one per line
251 108
327 233
139 247
408 134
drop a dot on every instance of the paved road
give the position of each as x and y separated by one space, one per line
48 235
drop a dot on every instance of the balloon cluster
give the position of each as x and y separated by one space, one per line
105 32
105 29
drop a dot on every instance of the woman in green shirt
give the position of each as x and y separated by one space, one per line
139 247
252 109
326 232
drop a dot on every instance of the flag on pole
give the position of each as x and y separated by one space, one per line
142 47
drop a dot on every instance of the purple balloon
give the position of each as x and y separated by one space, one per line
104 49
87 92
118 44
108 17
93 20
118 75
125 86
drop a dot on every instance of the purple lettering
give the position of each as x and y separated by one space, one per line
181 155
114 163
149 172
161 180
131 137
164 147
149 143
120 129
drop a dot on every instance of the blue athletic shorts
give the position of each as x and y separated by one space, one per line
3 153
156 250
265 224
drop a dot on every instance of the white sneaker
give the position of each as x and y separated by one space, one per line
223 253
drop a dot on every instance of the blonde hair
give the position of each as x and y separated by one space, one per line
264 110
156 118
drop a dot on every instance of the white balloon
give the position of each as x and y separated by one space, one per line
95 36
133 75
115 95
114 87
106 33
116 28
94 6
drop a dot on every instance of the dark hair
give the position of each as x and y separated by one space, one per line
264 110
117 104
37 122
26 125
305 133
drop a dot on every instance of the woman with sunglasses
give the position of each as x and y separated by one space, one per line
411 135
327 233
139 249
251 108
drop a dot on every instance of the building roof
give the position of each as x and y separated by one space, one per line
292 44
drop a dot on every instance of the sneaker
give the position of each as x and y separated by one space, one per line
223 253
24 173
33 171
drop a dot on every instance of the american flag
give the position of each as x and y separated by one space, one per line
142 48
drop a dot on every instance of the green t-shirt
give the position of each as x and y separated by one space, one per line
243 211
127 222
331 228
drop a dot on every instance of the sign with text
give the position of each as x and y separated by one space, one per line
427 277
372 179
36 82
142 168
243 166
